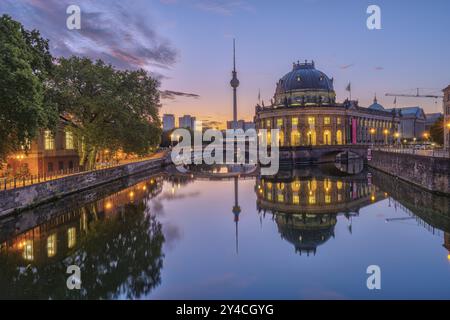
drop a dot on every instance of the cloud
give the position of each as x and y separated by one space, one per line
222 7
171 95
346 66
211 123
110 31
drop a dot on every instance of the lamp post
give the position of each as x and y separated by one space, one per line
372 132
448 137
397 136
386 132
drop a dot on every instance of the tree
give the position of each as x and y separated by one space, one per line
437 131
25 65
107 108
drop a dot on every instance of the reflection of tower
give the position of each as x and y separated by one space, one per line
236 209
234 84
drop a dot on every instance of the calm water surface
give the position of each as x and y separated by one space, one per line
304 234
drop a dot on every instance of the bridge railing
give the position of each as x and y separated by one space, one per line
436 153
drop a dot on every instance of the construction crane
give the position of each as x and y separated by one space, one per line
417 95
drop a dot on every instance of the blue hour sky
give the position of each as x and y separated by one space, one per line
188 45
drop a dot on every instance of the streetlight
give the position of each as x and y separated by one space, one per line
372 132
397 136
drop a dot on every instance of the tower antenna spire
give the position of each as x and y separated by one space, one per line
234 55
234 84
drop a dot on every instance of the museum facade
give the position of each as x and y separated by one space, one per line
305 110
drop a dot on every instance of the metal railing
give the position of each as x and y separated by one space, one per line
436 153
20 182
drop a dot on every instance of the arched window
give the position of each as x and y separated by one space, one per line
281 138
327 137
312 137
295 138
339 137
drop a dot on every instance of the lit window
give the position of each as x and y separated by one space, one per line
51 245
311 120
295 121
28 250
71 237
69 140
339 185
268 124
49 140
296 199
279 122
312 199
327 198
269 196
280 197
326 120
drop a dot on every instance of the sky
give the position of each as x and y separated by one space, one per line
187 45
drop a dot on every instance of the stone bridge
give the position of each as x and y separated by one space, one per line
321 154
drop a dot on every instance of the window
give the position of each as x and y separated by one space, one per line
327 198
280 197
70 164
294 121
296 199
327 137
281 138
28 250
312 138
338 120
295 138
279 122
50 167
339 137
311 121
49 140
51 245
268 124
69 140
326 120
60 165
71 237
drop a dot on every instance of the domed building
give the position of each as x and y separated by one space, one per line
305 110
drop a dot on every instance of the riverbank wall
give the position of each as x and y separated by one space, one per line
429 173
16 200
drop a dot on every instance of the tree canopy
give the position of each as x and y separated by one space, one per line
107 108
25 65
437 131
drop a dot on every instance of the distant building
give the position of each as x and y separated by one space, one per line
241 124
168 122
187 121
49 153
447 117
305 110
412 123
432 118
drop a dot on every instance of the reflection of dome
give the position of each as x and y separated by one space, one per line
376 106
310 234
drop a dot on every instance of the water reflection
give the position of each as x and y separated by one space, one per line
305 207
115 241
121 234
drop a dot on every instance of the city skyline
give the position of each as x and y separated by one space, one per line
194 61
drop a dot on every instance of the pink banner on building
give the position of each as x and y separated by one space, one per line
354 128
